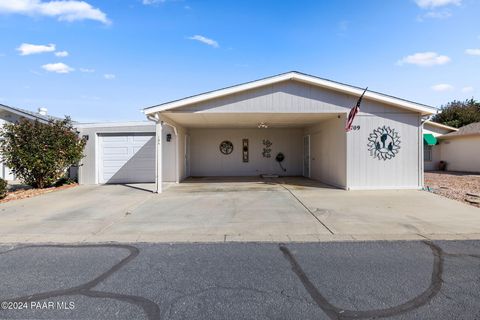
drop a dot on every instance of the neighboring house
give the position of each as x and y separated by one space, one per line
461 149
431 148
240 130
10 114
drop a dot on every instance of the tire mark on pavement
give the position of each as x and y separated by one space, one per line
333 312
151 309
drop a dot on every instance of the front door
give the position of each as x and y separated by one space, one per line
306 156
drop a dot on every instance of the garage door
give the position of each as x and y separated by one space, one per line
126 158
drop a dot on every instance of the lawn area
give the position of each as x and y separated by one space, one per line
461 186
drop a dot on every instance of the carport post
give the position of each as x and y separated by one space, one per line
158 156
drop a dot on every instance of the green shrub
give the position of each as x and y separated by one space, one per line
3 188
38 153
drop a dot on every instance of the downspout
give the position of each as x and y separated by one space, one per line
421 161
175 130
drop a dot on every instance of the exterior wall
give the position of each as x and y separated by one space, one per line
328 152
461 153
435 131
207 160
88 170
181 154
402 171
5 172
288 96
436 157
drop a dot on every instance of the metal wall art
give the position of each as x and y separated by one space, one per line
267 150
383 143
226 147
245 150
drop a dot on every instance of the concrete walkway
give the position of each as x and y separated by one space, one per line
248 209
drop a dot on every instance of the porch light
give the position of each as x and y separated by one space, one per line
262 125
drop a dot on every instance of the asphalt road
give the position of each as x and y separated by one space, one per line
343 280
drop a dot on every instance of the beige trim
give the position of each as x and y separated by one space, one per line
439 125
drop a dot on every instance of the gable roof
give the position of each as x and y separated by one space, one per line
468 130
439 125
28 114
296 76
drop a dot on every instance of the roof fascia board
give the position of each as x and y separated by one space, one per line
21 113
114 124
436 124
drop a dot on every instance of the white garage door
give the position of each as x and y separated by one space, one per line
126 158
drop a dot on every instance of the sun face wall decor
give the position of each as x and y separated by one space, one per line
384 143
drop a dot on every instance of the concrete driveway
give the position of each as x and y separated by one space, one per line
248 209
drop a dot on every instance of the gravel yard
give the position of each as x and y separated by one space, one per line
461 186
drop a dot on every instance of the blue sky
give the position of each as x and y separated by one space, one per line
105 60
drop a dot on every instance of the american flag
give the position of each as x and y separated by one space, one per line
353 112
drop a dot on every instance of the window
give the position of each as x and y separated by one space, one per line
427 152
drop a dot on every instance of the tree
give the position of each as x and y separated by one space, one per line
38 153
458 113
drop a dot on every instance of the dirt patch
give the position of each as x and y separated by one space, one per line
461 186
25 192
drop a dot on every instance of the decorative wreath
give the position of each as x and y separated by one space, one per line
226 147
383 143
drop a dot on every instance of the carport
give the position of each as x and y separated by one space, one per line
311 145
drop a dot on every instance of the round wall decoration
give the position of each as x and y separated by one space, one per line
226 147
383 143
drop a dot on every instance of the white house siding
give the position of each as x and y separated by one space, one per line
328 152
287 97
402 171
435 131
5 172
461 153
207 160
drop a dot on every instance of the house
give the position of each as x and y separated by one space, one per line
288 124
11 114
461 149
431 148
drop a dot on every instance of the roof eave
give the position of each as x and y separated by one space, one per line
436 124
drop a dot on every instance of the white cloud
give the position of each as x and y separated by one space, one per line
64 10
109 76
26 49
424 59
205 40
86 70
467 89
473 52
148 2
61 53
438 14
57 67
442 87
425 4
